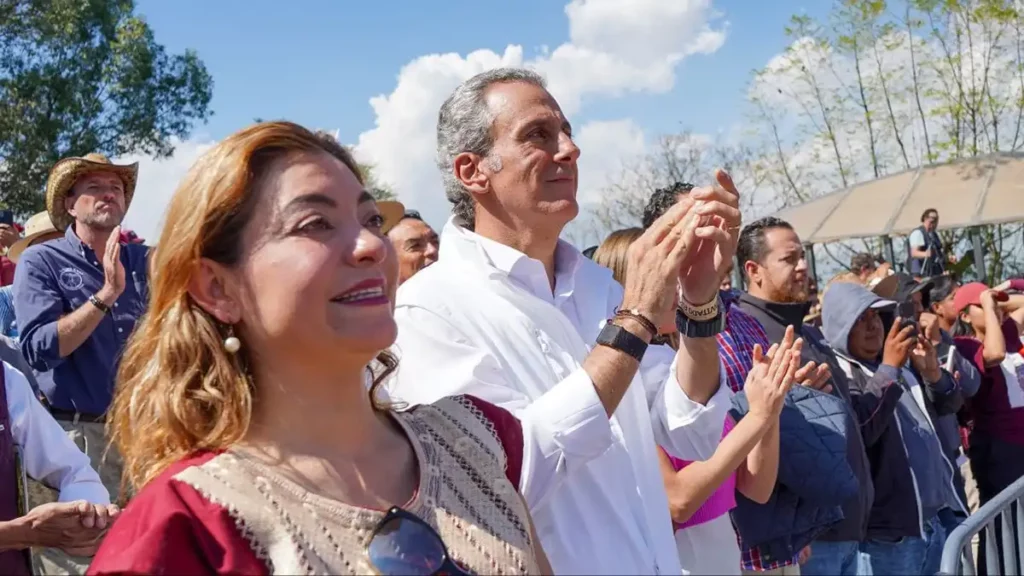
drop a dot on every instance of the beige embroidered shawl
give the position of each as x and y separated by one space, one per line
464 494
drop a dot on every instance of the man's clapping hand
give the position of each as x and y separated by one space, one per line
771 377
688 249
74 527
714 228
654 261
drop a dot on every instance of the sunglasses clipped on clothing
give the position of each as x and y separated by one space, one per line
402 543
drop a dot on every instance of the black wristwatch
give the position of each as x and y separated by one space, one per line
690 328
617 337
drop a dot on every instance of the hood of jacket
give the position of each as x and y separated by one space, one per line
843 305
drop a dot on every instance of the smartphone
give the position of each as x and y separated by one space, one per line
6 217
906 311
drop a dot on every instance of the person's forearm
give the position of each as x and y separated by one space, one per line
14 535
697 368
994 346
756 478
918 253
690 487
1014 301
75 328
612 371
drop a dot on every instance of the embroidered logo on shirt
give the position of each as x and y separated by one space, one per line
70 279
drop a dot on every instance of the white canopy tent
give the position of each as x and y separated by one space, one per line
970 192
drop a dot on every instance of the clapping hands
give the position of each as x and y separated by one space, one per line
771 377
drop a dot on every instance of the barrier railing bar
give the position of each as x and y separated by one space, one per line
957 555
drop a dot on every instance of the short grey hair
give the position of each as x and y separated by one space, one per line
464 125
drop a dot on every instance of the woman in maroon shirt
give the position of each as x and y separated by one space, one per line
988 332
241 407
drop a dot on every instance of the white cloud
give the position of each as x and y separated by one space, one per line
608 144
615 47
158 179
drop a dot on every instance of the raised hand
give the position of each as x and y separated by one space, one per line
898 344
925 360
654 261
815 376
715 228
929 325
771 377
113 270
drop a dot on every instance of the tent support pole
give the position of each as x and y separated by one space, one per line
979 254
811 264
890 252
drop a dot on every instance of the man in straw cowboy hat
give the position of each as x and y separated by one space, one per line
77 299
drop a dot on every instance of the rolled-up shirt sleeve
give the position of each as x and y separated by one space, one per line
37 307
49 455
687 429
564 426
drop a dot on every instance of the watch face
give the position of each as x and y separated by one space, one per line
618 338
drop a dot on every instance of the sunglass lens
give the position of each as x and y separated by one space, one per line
403 546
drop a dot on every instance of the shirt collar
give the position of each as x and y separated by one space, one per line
518 267
74 240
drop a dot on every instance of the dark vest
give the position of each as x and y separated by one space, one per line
14 562
933 265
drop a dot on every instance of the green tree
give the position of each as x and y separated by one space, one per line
80 76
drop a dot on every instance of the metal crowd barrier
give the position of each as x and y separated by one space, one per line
957 555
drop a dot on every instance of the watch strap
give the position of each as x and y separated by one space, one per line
99 304
618 338
690 328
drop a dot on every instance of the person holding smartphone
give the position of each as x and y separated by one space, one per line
896 372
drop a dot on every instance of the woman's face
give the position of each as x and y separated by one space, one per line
945 308
975 316
317 277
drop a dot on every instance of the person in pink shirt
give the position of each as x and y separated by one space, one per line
701 494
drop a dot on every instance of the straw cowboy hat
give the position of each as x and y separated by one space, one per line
392 212
38 229
66 172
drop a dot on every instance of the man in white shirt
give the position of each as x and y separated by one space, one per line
34 444
515 316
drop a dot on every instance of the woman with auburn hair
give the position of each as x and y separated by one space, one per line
242 410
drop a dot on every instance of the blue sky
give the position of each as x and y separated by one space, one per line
319 62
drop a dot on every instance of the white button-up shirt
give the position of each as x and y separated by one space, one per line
484 321
49 456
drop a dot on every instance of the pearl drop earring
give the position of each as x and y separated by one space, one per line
231 343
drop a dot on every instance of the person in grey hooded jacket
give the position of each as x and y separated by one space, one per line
913 479
932 299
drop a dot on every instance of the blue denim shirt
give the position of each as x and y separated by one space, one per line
52 280
8 326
